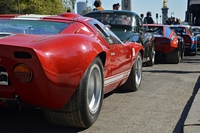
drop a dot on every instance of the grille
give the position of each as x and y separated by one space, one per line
4 78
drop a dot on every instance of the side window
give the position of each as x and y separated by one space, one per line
109 36
106 36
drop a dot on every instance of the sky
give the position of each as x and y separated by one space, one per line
177 8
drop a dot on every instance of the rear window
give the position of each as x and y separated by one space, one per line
32 26
155 29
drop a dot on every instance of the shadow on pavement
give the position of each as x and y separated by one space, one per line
29 120
180 123
170 71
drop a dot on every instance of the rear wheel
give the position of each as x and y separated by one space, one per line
173 57
152 58
183 49
84 107
135 77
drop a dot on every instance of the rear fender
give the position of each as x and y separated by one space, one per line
66 58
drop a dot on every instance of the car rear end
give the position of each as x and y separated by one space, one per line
190 43
196 32
22 75
165 39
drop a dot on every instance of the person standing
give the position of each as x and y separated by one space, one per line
97 5
116 6
148 19
142 18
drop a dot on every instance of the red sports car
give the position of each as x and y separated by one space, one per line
65 64
167 43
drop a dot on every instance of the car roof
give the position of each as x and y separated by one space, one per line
160 25
61 17
182 26
198 27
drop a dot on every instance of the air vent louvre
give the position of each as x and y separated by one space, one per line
23 55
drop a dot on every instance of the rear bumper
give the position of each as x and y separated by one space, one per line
190 47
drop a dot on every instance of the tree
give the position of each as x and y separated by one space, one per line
51 7
69 4
88 9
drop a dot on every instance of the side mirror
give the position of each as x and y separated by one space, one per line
135 38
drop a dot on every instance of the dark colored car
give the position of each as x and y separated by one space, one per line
189 38
167 44
196 32
126 25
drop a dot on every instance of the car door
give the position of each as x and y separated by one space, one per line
119 52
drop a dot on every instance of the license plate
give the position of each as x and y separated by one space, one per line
187 46
3 78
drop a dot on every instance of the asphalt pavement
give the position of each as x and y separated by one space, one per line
192 122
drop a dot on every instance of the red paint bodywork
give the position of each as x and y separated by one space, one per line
167 42
59 61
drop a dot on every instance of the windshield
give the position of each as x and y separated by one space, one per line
31 26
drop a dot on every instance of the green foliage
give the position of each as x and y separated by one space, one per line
69 4
88 9
51 7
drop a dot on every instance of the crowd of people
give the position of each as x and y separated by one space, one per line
173 21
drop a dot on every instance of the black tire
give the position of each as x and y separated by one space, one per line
194 53
152 58
134 80
83 109
173 57
183 50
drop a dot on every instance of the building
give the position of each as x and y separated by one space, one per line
81 6
192 13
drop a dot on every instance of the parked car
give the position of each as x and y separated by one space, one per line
167 44
65 64
189 38
196 32
126 24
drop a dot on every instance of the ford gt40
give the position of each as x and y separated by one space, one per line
64 64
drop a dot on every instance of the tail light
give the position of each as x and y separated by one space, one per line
23 73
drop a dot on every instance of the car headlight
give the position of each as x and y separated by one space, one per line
23 73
